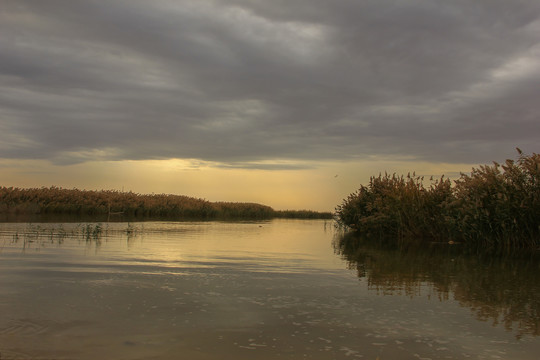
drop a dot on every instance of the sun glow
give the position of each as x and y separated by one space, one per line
282 185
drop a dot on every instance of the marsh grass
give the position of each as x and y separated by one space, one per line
302 214
115 205
92 232
36 236
495 207
42 235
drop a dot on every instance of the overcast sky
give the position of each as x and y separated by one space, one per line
269 85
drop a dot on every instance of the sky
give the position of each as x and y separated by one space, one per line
292 104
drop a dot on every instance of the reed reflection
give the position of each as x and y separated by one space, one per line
502 289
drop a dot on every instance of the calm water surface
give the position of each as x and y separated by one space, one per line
254 290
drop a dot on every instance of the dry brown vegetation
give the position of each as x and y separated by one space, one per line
495 206
55 200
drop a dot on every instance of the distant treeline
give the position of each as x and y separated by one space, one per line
495 206
59 201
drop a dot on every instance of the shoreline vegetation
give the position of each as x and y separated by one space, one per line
495 207
116 205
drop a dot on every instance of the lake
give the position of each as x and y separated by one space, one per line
279 289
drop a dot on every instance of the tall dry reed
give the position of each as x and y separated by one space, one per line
495 206
56 200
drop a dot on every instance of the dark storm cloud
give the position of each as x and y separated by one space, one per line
244 82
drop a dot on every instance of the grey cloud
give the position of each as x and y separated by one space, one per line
245 82
264 166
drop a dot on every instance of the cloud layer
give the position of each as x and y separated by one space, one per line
246 83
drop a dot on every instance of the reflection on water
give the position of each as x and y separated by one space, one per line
500 289
253 290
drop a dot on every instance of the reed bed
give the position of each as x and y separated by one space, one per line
302 214
496 207
118 205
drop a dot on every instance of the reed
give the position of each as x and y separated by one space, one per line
499 205
495 206
122 205
302 214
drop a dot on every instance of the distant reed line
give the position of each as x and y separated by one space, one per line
496 207
56 200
